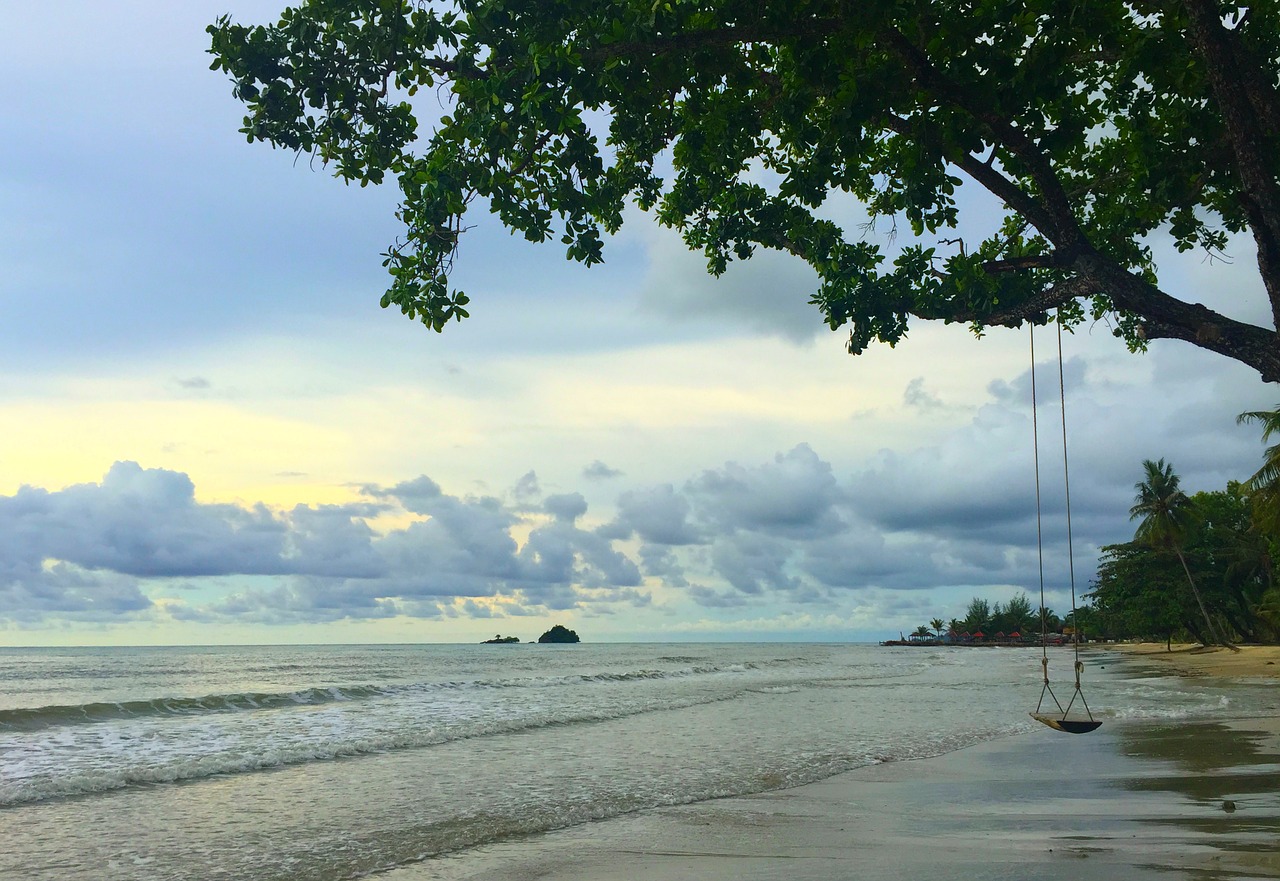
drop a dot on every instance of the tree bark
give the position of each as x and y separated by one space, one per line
1233 87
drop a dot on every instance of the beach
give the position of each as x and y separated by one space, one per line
1136 799
1190 659
811 762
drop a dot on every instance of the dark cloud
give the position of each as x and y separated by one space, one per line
658 515
660 561
568 507
755 564
415 495
144 523
794 496
63 590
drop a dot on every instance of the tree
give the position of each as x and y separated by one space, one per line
1130 594
1264 484
938 624
1232 554
1050 621
1097 126
921 632
978 615
1018 614
1164 512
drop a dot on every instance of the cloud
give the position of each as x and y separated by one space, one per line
597 470
917 397
794 496
767 295
954 513
568 507
527 490
89 550
659 515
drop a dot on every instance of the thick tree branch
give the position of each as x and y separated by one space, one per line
1167 317
1049 298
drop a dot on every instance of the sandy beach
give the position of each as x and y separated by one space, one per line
1189 659
1136 799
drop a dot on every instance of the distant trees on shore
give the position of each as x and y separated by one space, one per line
1018 615
1200 566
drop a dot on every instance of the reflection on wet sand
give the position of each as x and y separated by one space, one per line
1223 781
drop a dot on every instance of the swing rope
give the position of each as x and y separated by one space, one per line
1078 694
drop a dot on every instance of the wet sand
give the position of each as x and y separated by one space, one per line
1133 800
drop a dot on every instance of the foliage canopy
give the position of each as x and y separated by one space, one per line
1096 123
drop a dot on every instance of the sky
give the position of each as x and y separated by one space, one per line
211 433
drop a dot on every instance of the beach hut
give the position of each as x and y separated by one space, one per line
978 634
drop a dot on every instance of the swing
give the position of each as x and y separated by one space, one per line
1062 720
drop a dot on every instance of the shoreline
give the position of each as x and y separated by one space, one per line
1192 659
1139 799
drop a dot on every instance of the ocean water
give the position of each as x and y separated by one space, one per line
335 762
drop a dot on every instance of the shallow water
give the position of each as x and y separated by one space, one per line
332 762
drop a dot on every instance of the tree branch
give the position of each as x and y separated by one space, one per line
1057 221
1014 264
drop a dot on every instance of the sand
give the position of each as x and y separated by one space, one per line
1133 800
1195 660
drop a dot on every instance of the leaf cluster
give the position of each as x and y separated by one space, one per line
737 121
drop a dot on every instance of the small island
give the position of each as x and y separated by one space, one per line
559 633
500 640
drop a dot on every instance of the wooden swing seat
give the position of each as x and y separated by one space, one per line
1070 726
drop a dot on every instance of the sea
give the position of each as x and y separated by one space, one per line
321 763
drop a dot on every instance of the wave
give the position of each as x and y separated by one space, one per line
31 719
264 756
39 718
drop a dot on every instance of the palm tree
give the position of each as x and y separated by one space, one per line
1264 485
937 624
1165 512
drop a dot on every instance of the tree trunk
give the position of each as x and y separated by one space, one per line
1213 631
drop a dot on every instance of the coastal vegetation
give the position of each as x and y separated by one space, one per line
1203 569
985 622
1199 566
